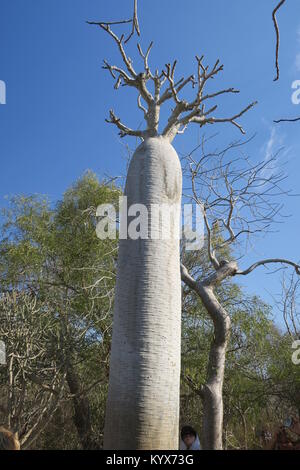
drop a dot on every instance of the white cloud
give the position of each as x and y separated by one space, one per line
270 144
274 147
273 144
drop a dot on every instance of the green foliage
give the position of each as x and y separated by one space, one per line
52 254
261 385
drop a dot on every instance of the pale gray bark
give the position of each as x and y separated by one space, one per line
236 201
213 388
143 399
212 391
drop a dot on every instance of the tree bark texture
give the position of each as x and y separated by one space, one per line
143 398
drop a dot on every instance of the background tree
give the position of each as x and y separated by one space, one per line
260 380
238 199
32 384
53 254
260 385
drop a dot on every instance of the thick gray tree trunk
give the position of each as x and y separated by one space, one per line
143 398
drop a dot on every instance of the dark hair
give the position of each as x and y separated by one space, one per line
187 430
8 440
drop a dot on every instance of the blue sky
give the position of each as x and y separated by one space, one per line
52 128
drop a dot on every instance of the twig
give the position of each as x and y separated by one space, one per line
106 23
135 23
287 120
124 130
277 37
268 261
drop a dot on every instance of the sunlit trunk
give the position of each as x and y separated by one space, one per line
143 399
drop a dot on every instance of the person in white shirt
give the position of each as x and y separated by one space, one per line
189 439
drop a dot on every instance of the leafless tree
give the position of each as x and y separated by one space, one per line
32 380
239 199
153 264
288 304
184 112
60 310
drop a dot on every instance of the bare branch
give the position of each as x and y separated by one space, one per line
169 75
187 278
287 120
232 119
193 386
211 252
98 23
124 130
195 109
145 57
238 198
213 95
178 86
184 111
141 107
135 23
119 41
134 20
289 304
268 261
277 37
122 74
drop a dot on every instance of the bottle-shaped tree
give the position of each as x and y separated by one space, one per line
143 398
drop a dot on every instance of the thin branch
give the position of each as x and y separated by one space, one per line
98 23
232 119
135 23
277 37
178 86
287 120
211 252
141 107
268 261
187 278
145 58
195 109
184 111
134 20
124 130
193 386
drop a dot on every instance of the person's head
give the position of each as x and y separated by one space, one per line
188 435
8 440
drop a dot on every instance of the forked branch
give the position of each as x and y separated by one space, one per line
184 112
135 23
124 130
